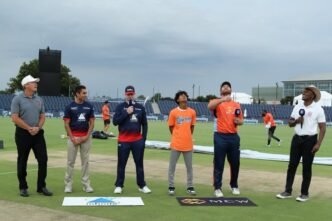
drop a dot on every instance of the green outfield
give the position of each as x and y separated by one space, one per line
259 180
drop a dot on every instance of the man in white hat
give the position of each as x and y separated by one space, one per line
306 118
28 114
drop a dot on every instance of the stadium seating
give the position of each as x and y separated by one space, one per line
254 111
56 105
166 106
5 101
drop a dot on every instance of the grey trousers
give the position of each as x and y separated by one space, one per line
71 157
187 156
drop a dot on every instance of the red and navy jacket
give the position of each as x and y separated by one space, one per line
130 130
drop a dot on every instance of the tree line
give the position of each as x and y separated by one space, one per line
67 81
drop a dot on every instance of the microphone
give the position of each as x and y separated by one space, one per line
301 113
130 103
237 112
132 115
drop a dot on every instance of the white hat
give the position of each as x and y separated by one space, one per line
28 79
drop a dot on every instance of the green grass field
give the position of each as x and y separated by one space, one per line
158 205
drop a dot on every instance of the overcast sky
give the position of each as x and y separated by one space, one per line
167 45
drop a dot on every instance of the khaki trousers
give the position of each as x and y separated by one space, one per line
71 157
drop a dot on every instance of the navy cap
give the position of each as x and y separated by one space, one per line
130 90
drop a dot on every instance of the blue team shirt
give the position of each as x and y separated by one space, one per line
79 116
130 130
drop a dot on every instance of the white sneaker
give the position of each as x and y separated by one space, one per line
88 189
191 191
279 143
235 191
284 195
145 189
118 190
171 191
218 193
302 198
68 189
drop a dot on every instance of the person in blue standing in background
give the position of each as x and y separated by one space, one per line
130 117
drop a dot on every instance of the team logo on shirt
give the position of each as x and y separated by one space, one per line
133 118
181 120
82 117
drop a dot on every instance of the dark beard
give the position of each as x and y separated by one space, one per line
226 93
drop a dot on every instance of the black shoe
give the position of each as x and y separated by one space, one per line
45 192
24 192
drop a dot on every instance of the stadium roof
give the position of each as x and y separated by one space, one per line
313 77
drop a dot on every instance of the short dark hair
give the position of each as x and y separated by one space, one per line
264 112
78 89
178 94
106 102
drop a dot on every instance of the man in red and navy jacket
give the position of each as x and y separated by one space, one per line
130 117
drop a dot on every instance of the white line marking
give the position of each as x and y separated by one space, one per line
14 172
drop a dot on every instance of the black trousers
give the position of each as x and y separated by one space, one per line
124 149
301 148
271 135
25 142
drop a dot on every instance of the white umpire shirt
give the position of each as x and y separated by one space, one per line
314 114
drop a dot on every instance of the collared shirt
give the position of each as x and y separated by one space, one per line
79 116
181 120
28 108
314 114
225 113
